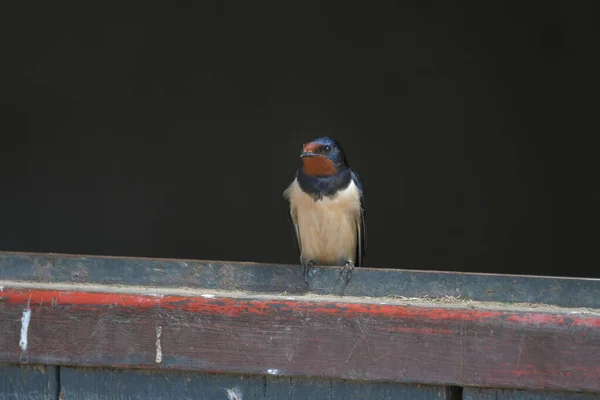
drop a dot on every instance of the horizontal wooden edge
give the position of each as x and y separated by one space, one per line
333 338
83 383
275 278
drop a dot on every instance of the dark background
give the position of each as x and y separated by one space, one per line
171 130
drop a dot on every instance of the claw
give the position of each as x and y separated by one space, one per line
306 269
347 270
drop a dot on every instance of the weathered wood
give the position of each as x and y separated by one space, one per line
92 384
564 292
356 390
512 394
24 382
280 388
28 382
289 388
334 337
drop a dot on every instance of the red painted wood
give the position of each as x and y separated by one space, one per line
437 344
235 306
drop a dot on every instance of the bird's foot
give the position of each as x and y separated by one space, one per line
346 272
307 266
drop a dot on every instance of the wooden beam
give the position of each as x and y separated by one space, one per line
19 382
85 383
455 343
93 383
512 394
273 278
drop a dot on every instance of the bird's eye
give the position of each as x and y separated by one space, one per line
327 149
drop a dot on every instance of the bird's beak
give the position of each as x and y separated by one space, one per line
307 154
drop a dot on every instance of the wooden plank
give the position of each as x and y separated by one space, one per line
388 391
31 382
513 394
333 337
280 388
290 388
86 383
269 278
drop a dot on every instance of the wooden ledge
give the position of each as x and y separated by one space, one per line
503 346
273 278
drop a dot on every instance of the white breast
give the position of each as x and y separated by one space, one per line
327 227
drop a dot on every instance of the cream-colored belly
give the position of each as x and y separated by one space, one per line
327 227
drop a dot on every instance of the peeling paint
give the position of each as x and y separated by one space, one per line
158 345
233 306
25 328
234 393
584 312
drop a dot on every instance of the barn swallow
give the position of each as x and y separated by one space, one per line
327 209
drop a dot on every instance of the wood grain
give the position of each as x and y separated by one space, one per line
279 388
92 384
25 382
337 338
28 382
512 394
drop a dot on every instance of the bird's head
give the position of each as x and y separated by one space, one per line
323 157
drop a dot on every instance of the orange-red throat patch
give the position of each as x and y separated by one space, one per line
317 164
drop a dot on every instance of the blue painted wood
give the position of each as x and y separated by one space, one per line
368 282
357 390
282 388
28 382
510 394
92 384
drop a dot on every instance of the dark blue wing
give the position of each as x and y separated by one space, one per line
296 233
361 226
294 227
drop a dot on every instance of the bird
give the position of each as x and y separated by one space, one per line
326 209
